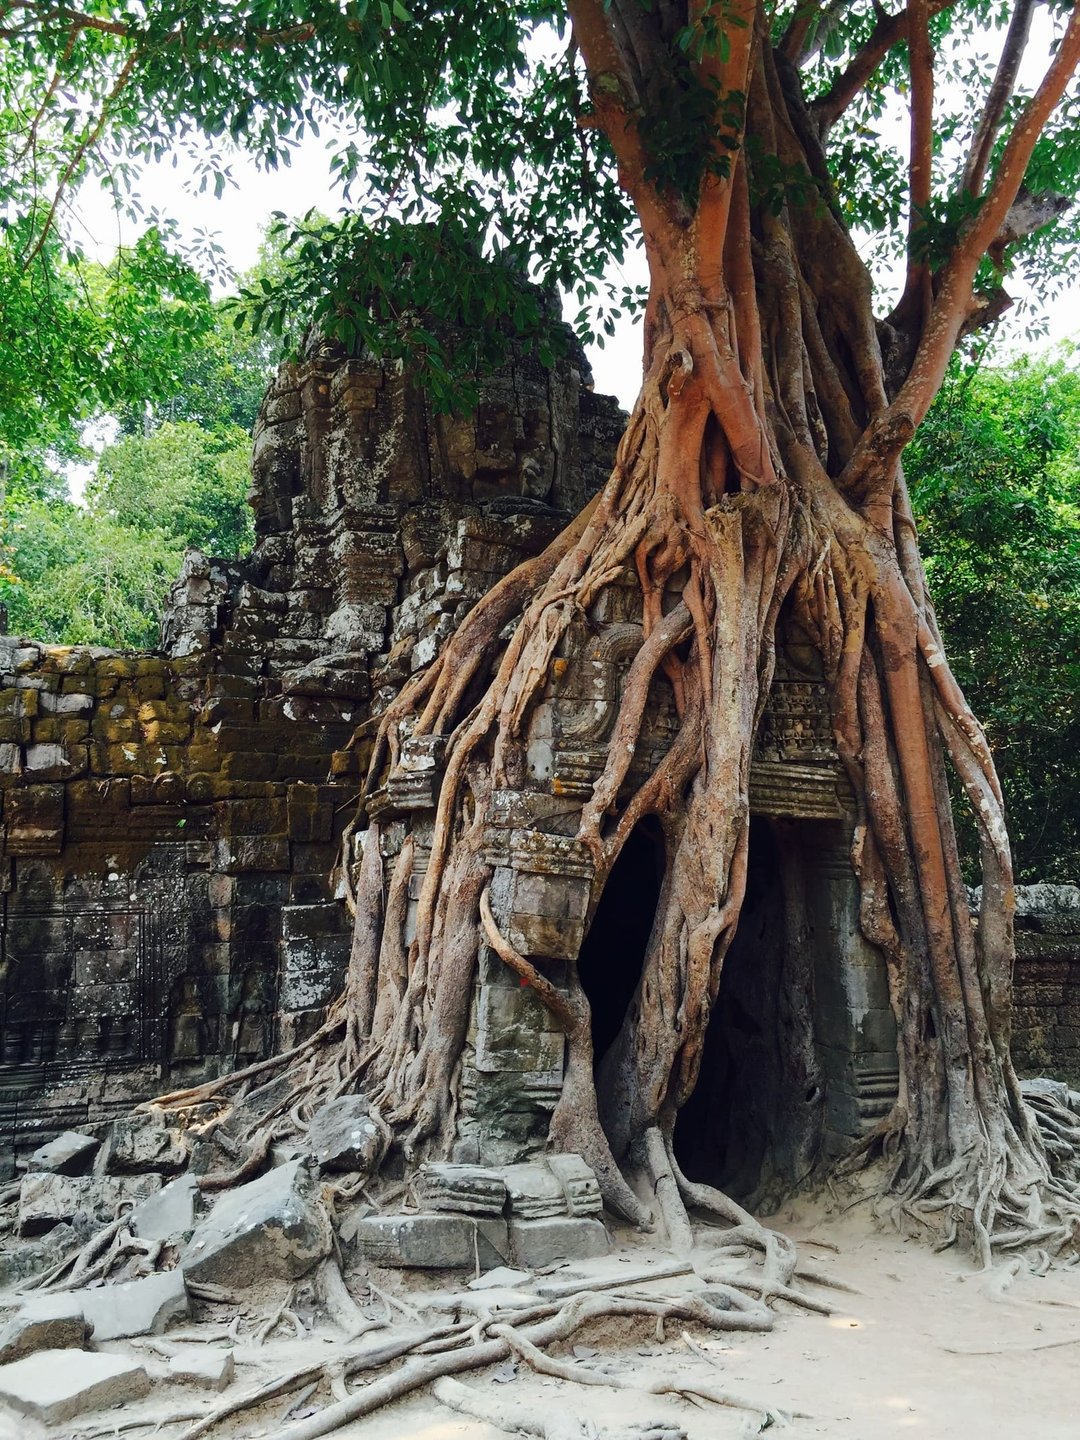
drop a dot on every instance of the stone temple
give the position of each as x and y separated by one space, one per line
172 821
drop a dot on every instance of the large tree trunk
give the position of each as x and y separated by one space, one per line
754 470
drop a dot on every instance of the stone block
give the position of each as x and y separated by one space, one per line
142 1143
68 1154
169 1215
535 1243
135 1307
579 1184
23 1259
45 1322
428 1242
276 1227
343 1136
513 1033
204 1366
465 1189
252 852
57 1385
533 1191
34 820
45 1200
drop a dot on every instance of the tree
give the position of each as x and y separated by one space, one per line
186 483
761 465
74 578
996 489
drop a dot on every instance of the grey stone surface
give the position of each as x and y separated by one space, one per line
46 1199
535 1243
343 1136
141 1143
57 1385
273 1227
204 1366
533 1191
429 1242
466 1189
169 1215
45 1322
580 1186
23 1259
67 1154
135 1307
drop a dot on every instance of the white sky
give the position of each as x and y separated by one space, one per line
238 217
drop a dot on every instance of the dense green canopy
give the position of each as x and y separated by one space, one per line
471 133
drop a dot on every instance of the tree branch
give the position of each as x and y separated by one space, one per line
953 301
90 138
982 141
889 31
917 287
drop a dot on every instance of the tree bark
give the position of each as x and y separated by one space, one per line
761 466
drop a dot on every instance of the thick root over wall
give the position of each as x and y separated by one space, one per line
760 467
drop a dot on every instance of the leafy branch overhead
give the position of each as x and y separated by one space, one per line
484 124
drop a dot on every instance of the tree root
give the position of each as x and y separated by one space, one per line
580 1375
470 1346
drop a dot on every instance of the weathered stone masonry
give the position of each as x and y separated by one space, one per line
172 821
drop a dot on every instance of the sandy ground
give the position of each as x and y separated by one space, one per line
927 1349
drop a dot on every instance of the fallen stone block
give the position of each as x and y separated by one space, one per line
168 1216
276 1227
21 1260
465 1189
68 1154
343 1136
135 1307
535 1243
46 1199
143 1143
45 1322
57 1385
204 1366
580 1186
533 1190
428 1242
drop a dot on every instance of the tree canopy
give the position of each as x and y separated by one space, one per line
995 476
474 132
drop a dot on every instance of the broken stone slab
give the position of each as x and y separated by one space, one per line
343 1136
141 1143
135 1307
466 1189
45 1322
535 1243
66 1154
275 1227
46 1199
57 1385
21 1260
580 1187
533 1190
204 1366
168 1216
429 1242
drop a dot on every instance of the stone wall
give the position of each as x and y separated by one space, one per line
1046 982
171 822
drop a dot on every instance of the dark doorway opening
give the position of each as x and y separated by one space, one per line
612 953
753 1124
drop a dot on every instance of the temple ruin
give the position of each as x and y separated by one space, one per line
173 821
